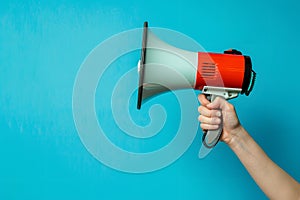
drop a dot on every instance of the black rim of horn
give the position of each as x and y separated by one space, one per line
142 66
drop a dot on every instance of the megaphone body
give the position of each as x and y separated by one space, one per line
163 67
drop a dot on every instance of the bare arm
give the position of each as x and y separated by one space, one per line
273 181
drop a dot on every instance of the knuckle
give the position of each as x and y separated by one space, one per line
216 113
230 106
217 98
217 120
209 113
200 118
200 109
214 120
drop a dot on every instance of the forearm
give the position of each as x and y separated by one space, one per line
274 182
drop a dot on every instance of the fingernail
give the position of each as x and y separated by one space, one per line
218 114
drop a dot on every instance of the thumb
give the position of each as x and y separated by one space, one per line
218 103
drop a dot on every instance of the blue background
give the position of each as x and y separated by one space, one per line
42 45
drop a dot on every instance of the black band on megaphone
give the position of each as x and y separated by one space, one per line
248 78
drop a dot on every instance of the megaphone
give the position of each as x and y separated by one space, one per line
163 67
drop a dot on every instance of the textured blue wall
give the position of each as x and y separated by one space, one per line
42 46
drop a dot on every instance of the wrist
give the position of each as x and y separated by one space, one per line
238 136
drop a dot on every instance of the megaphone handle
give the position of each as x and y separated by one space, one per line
211 137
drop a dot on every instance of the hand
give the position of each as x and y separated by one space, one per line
210 117
274 181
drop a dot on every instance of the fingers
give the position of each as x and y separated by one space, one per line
210 116
209 120
203 100
218 103
208 112
206 127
